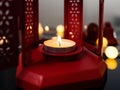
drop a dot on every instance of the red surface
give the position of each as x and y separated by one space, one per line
87 68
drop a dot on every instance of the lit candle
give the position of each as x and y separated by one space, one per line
60 30
59 45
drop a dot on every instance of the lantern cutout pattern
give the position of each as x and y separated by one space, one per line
3 39
8 34
29 13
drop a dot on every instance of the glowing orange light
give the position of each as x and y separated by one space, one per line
47 28
105 42
112 64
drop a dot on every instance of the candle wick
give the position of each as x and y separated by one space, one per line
59 43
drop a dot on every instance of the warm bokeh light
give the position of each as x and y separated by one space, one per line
47 28
105 42
85 27
111 52
112 64
60 30
1 41
40 30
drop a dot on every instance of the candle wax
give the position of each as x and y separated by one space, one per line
54 43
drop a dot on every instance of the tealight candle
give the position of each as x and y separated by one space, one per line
59 45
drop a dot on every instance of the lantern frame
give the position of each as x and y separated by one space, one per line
31 69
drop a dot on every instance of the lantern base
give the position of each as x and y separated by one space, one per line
88 71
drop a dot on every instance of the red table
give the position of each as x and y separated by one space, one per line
87 71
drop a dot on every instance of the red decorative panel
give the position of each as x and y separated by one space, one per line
8 34
29 25
29 14
29 18
73 20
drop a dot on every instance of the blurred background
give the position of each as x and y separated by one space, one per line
52 13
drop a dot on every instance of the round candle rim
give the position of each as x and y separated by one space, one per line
78 50
46 43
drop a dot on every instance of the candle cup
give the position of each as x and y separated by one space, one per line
53 46
59 50
68 56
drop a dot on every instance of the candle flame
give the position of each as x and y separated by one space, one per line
59 41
